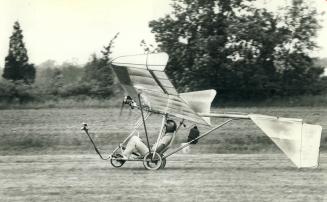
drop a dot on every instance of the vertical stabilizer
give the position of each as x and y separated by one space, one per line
200 101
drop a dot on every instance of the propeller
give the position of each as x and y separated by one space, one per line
121 108
128 100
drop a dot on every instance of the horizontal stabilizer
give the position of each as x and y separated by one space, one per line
200 101
299 141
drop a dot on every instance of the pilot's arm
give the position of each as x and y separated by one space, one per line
160 148
164 142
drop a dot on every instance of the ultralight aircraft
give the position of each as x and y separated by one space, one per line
149 90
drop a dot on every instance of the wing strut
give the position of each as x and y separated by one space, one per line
146 132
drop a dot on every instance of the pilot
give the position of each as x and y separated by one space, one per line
136 145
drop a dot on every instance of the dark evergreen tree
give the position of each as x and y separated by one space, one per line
16 63
99 77
99 74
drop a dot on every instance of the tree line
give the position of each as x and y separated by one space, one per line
243 51
24 82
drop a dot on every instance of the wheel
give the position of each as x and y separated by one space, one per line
163 163
117 163
152 162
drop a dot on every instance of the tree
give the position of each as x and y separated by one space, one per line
147 48
16 63
195 36
49 81
235 48
99 77
299 72
99 74
108 49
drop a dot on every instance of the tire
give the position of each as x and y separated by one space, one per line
117 163
152 161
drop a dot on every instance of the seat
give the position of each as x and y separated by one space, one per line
169 145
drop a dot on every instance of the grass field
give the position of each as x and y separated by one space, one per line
44 156
214 177
57 131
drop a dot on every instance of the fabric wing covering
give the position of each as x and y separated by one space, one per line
145 74
299 141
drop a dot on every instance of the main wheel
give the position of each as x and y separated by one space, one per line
117 163
152 161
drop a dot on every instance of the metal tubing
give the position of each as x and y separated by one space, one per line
94 145
127 159
238 116
160 134
137 125
201 136
146 132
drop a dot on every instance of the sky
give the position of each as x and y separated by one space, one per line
72 30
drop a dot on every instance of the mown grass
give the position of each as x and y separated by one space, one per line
85 102
197 177
57 131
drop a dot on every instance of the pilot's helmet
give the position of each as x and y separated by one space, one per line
170 126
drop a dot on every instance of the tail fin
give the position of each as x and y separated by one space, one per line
200 101
299 141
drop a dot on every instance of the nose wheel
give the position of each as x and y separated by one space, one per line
117 163
152 161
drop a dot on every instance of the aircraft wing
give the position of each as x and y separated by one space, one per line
145 74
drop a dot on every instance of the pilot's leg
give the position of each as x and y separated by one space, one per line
135 144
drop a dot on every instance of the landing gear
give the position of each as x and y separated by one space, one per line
117 163
152 161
